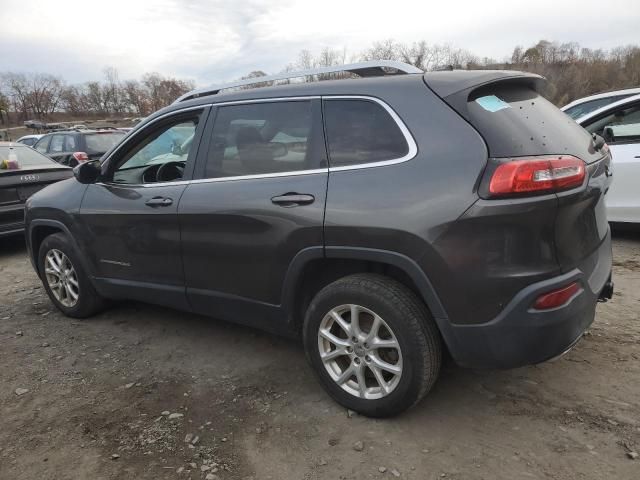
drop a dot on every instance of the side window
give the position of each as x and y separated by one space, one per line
42 144
57 144
260 138
70 143
160 155
361 131
620 126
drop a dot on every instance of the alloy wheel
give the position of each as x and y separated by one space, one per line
62 278
360 351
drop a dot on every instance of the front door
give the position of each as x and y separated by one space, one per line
259 202
130 217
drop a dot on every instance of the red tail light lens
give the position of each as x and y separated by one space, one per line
537 175
556 298
81 157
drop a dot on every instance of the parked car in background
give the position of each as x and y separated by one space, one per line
35 124
582 106
23 171
382 219
29 140
71 147
619 124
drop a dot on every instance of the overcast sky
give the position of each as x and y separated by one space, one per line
211 41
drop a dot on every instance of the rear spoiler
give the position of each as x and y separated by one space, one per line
454 87
445 84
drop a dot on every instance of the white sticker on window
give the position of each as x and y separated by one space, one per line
491 103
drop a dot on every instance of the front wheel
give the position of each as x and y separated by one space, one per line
373 344
64 279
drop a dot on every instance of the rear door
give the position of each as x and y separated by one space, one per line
259 201
620 127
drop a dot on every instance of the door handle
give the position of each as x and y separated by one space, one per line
293 199
159 202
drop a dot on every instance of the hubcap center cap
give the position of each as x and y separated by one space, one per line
359 350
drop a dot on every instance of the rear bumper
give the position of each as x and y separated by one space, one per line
520 335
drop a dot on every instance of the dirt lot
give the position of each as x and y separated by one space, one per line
97 390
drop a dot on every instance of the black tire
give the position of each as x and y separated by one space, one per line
89 301
409 319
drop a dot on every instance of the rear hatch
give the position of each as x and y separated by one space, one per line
519 125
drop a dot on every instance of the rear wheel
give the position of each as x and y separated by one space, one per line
372 344
64 279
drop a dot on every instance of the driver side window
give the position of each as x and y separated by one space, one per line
160 156
620 126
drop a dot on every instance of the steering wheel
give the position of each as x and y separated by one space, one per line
170 171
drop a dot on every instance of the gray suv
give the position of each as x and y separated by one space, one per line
383 219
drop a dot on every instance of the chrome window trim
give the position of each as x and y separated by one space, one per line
412 152
127 138
411 143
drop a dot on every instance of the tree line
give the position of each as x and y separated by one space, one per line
572 72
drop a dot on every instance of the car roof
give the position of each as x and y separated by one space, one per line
446 81
611 106
598 96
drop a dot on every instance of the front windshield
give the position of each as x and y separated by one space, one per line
19 157
582 109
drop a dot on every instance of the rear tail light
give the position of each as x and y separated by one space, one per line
537 175
80 157
556 298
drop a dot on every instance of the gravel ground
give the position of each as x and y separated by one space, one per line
98 399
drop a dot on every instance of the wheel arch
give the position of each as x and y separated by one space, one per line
40 229
313 268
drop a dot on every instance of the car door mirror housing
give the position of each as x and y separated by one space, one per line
88 172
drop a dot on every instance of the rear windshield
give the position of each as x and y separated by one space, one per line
19 157
102 142
517 121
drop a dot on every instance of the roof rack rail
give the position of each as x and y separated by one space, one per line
373 68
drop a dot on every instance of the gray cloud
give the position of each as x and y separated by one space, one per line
213 41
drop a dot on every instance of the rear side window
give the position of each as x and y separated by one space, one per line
517 121
70 143
42 144
57 144
261 138
361 131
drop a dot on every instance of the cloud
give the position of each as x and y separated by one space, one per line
217 40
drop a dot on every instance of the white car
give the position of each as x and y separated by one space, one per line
619 124
29 140
583 106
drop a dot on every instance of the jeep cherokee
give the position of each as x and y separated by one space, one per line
384 219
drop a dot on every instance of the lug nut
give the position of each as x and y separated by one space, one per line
354 339
349 350
356 361
367 358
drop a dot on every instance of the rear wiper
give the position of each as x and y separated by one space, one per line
598 141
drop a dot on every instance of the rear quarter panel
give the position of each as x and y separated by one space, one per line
405 208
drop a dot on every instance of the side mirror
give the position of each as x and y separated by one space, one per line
87 172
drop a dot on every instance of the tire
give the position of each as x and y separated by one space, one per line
405 322
88 301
